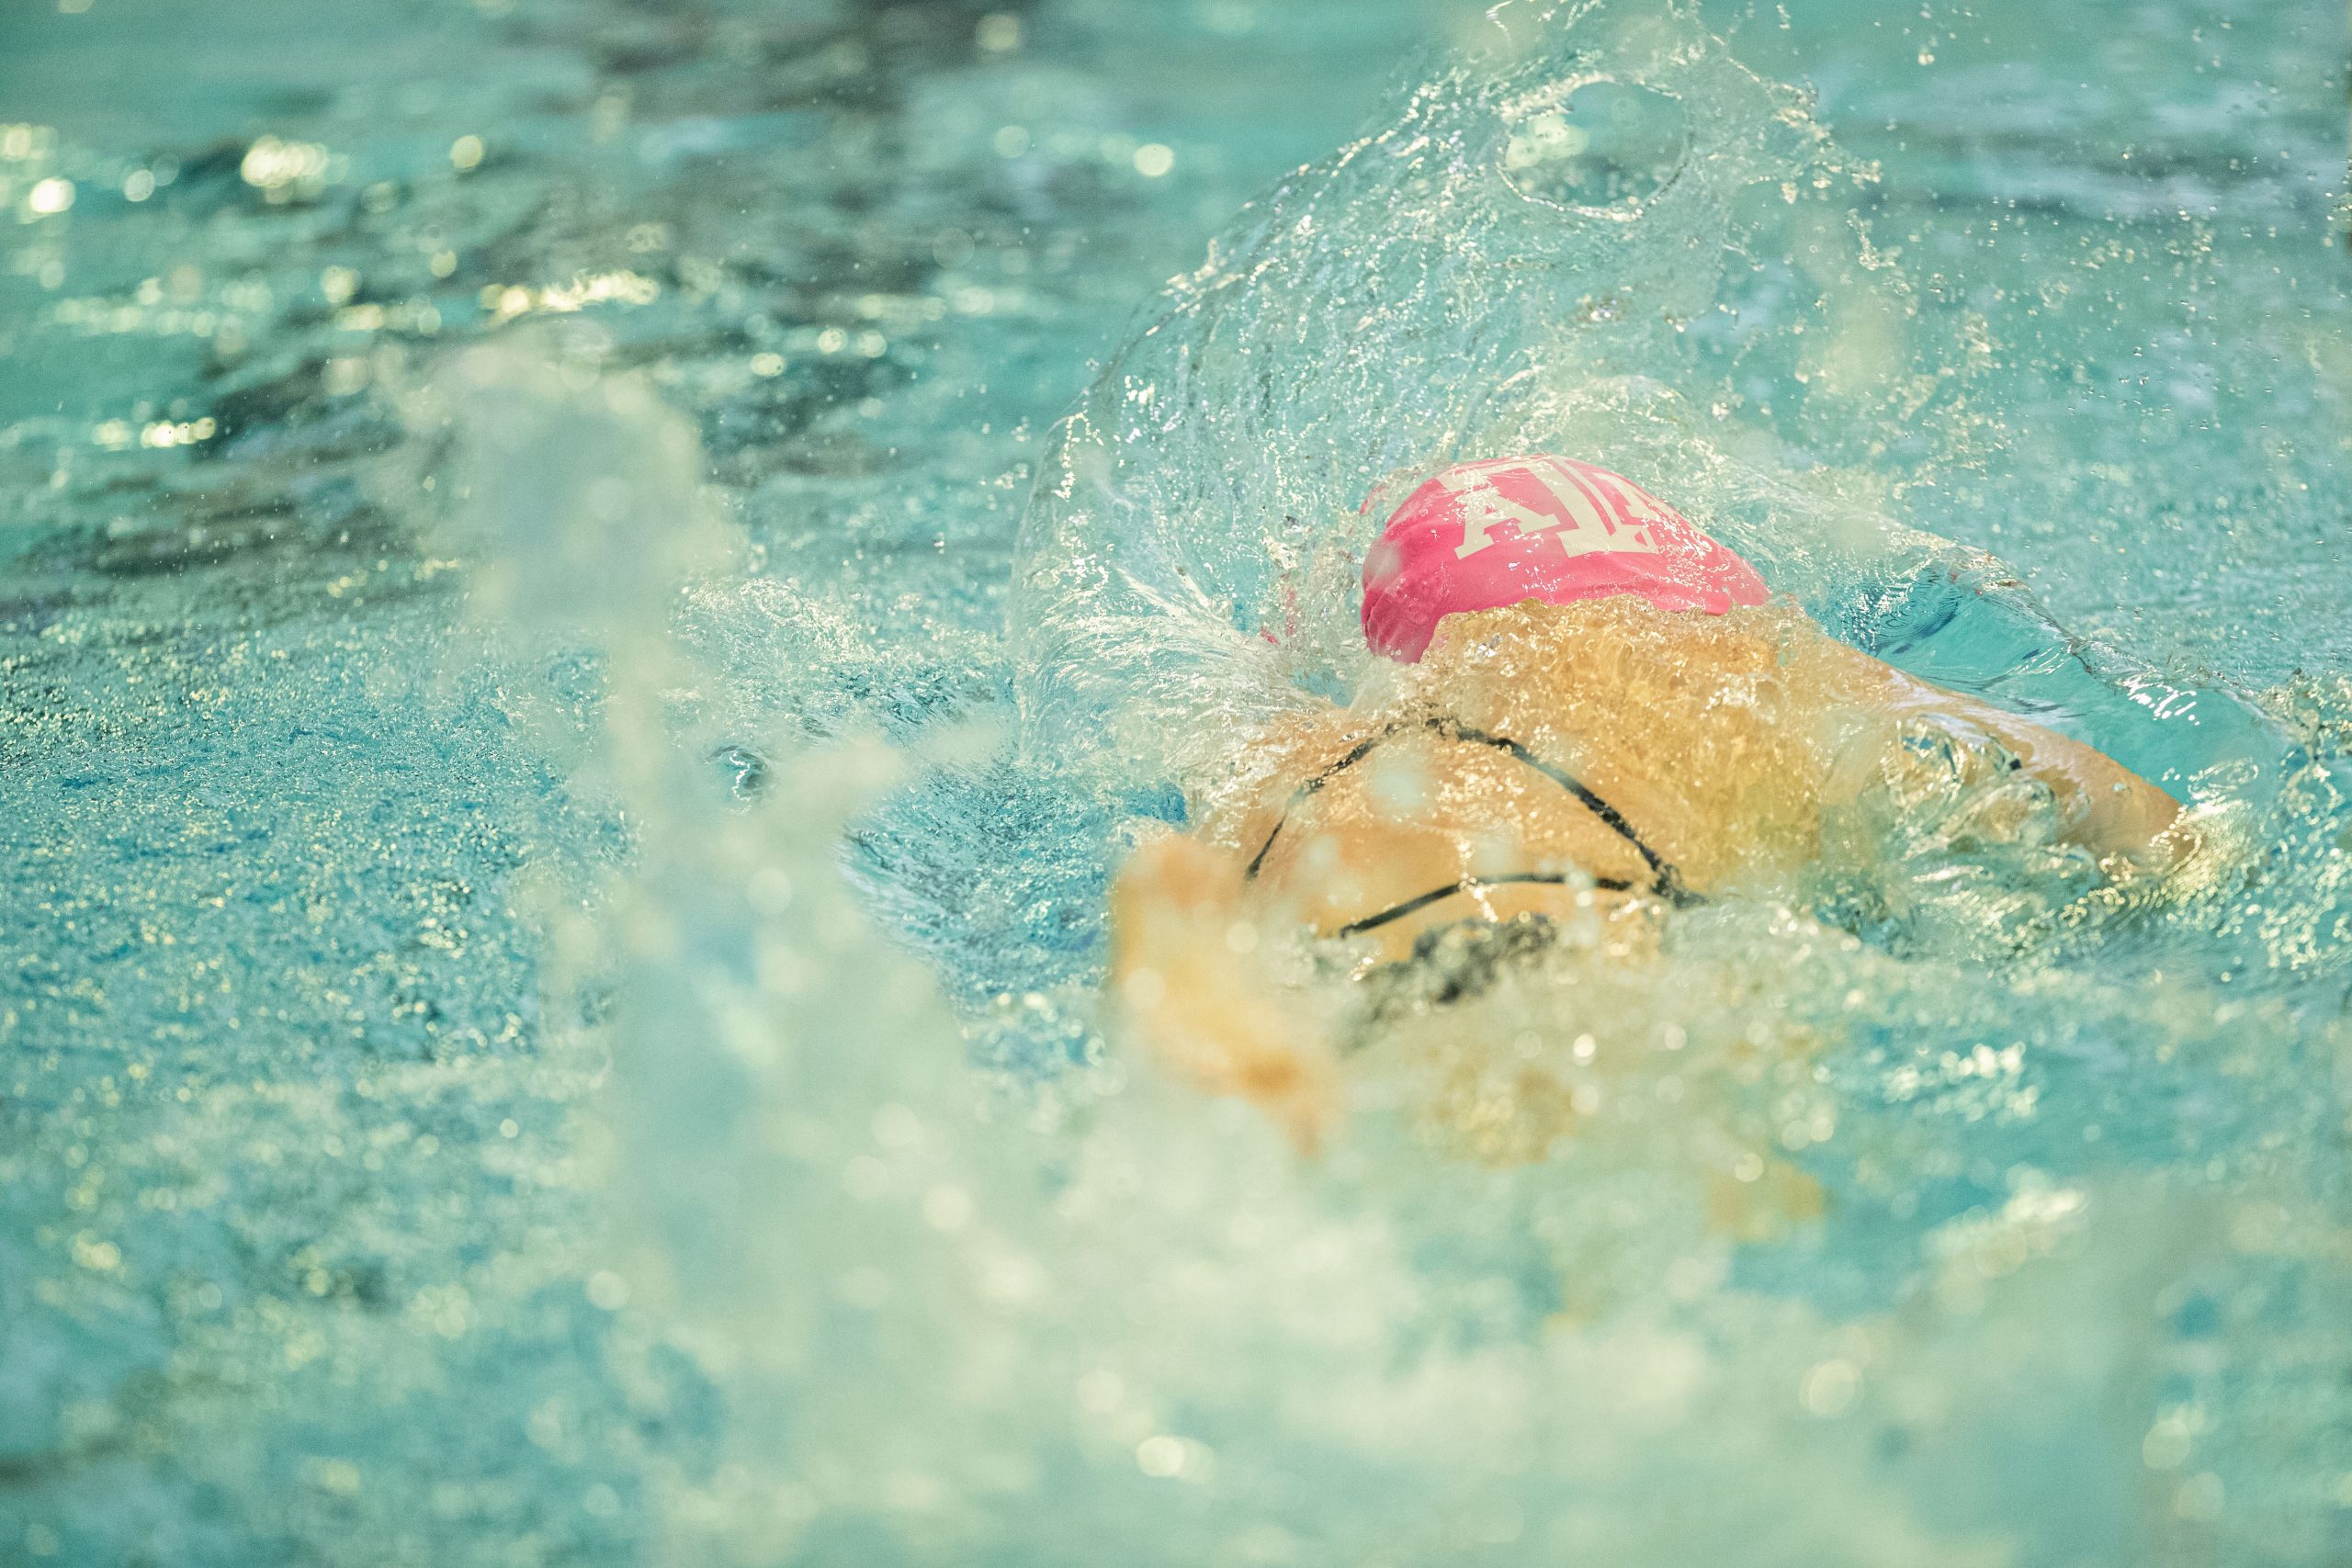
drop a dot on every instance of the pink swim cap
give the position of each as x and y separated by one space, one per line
1483 535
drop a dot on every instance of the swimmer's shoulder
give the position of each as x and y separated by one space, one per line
1532 632
1268 774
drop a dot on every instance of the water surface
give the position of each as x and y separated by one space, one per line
455 1110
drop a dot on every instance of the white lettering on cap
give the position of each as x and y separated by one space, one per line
1587 528
1483 506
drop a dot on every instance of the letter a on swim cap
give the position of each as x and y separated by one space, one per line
1484 534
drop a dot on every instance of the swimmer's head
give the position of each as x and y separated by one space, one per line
1484 534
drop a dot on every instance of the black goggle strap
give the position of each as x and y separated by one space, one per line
1666 880
1476 884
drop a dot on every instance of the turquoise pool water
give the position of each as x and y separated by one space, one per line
550 927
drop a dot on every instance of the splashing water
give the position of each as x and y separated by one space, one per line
1979 1233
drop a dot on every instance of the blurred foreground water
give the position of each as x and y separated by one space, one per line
504 504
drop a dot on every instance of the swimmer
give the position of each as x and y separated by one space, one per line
1592 710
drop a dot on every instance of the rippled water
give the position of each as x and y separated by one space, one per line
505 504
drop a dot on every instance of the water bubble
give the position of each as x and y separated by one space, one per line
1831 1388
1608 148
50 196
947 1207
282 170
998 33
1163 1457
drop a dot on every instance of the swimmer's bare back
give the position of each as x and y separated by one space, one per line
1715 741
1602 756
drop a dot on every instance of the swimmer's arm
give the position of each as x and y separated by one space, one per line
1187 973
2117 812
2114 810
